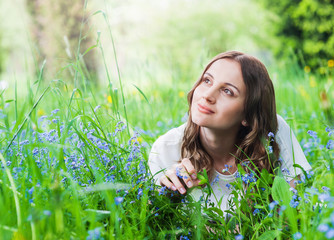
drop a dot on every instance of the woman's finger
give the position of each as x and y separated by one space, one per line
189 168
182 173
172 175
164 181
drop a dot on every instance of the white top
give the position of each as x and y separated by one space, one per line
166 151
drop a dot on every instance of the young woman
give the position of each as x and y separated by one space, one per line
232 113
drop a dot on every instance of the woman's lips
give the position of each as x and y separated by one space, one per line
204 109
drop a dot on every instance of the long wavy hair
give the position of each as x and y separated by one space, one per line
260 114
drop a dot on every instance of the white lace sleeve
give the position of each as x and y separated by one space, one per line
290 151
165 152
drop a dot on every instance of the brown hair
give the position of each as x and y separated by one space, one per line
260 114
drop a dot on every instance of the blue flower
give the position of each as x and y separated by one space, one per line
118 200
94 234
330 144
47 213
256 211
297 235
271 135
239 237
272 205
312 133
54 111
330 233
31 190
323 228
96 108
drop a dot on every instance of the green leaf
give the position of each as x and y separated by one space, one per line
281 191
268 235
282 194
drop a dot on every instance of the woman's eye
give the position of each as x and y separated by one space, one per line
206 80
228 91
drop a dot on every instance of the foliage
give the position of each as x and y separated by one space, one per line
305 26
73 167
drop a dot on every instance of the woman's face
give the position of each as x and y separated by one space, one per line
218 101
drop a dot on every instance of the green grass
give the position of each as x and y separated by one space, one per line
61 176
81 172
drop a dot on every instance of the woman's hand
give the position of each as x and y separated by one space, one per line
180 174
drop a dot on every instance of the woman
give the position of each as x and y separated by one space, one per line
232 113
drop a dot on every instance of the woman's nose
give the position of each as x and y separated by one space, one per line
209 95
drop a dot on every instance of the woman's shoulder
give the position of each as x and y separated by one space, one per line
174 135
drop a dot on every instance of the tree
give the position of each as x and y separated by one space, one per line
60 30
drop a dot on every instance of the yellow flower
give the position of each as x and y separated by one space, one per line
181 94
313 83
330 63
140 140
322 70
307 69
109 99
302 92
40 112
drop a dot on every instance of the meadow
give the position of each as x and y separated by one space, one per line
74 158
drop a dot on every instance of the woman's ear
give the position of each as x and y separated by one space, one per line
244 123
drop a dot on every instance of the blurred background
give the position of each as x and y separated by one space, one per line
178 33
159 44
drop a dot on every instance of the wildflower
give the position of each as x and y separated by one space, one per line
239 237
330 131
282 209
330 63
215 180
54 111
181 94
326 189
272 205
94 234
40 112
307 69
228 186
140 192
294 204
325 197
330 233
35 151
31 190
271 135
163 191
97 107
309 173
323 228
109 99
118 200
270 149
330 144
297 235
256 211
47 213
312 133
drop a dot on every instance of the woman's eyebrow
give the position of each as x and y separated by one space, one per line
229 84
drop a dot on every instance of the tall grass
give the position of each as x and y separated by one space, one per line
74 163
